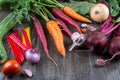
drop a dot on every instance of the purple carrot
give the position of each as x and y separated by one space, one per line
76 37
60 14
41 35
63 26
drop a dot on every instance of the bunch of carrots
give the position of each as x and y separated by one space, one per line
62 14
52 24
65 13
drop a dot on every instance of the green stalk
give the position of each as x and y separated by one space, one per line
3 54
40 12
7 24
48 13
43 4
58 4
52 3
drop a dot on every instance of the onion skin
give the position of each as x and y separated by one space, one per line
114 46
97 41
99 12
32 55
11 68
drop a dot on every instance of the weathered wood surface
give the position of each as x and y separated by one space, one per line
77 66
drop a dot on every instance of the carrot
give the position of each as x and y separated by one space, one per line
60 14
70 12
63 26
41 35
53 29
56 33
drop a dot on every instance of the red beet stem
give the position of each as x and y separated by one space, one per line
116 32
113 28
105 2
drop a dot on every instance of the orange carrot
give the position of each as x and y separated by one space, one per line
70 12
66 9
56 33
53 29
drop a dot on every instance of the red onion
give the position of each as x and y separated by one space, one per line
28 72
32 55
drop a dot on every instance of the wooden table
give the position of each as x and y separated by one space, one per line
76 66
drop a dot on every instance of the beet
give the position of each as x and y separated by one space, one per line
97 41
114 46
114 50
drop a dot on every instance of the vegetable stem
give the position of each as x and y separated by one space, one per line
3 54
8 23
41 13
113 28
17 41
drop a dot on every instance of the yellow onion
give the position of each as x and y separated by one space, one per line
99 12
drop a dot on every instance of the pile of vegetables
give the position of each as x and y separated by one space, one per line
22 10
57 15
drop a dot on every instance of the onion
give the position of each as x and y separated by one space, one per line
28 72
99 12
97 41
32 55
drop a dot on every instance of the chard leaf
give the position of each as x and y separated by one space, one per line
93 1
118 20
114 7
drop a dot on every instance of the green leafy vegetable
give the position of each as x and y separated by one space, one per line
93 1
5 26
115 9
20 10
81 7
118 1
118 20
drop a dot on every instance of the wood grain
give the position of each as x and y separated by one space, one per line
76 66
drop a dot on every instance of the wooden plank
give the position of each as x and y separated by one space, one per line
76 66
